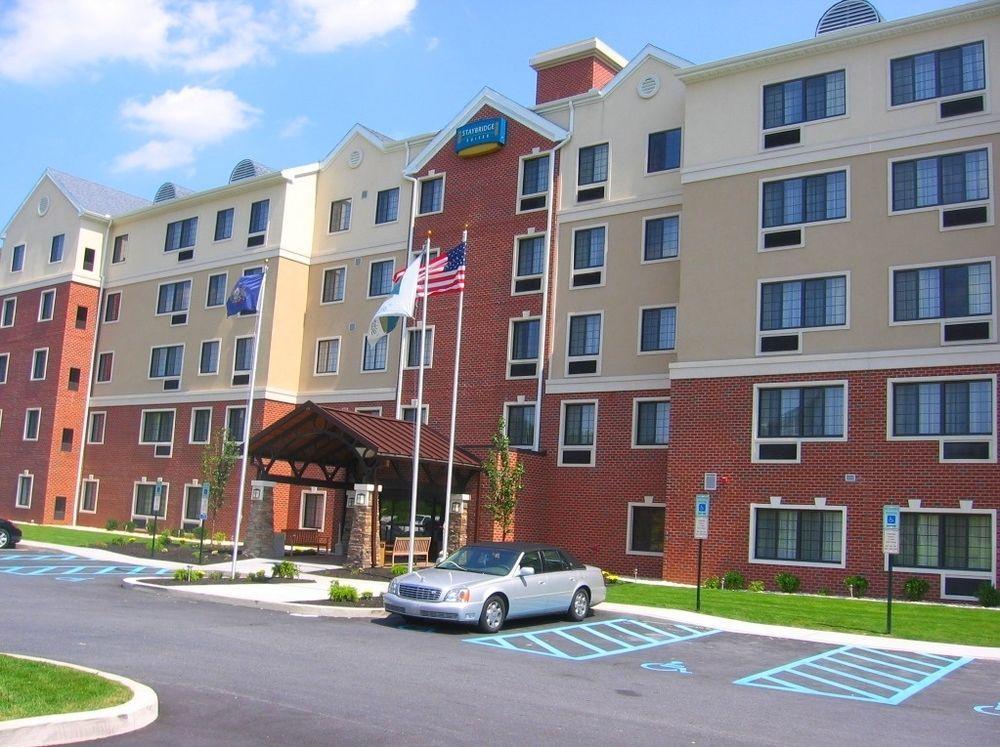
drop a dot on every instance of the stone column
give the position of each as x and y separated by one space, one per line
259 539
458 521
359 518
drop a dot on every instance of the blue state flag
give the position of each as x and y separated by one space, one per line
245 295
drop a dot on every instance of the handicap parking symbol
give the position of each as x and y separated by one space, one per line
669 666
988 710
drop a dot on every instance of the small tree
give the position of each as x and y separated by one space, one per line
504 475
217 461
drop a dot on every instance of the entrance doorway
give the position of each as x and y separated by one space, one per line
394 516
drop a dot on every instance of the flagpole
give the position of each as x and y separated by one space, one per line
454 411
418 417
246 422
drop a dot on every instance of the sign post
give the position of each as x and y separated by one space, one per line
206 490
890 546
701 502
157 495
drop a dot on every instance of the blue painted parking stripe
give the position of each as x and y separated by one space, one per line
918 686
897 657
884 663
850 676
551 649
622 645
626 631
579 641
652 628
843 663
840 685
40 571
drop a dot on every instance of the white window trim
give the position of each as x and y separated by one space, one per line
13 314
520 185
164 502
364 344
267 227
797 507
755 440
506 419
90 426
104 311
425 409
24 434
322 509
350 221
218 363
406 348
235 346
940 209
600 344
225 286
399 202
232 228
172 313
603 269
340 345
576 167
41 304
246 420
83 492
6 367
31 489
761 231
323 283
642 239
142 424
186 522
514 277
97 367
991 438
193 419
62 257
510 347
922 49
635 423
628 527
645 161
429 178
371 267
149 365
124 251
562 432
942 321
45 368
780 128
761 282
376 411
638 342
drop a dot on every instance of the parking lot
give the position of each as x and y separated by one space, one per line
62 566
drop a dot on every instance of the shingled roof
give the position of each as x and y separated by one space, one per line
91 197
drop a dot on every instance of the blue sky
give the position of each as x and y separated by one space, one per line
133 93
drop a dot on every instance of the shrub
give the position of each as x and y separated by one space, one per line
260 577
857 585
788 582
215 576
988 595
756 586
100 545
610 578
823 591
398 570
149 527
916 589
165 538
176 532
129 526
344 593
285 569
111 525
366 595
188 574
712 582
120 541
218 538
199 533
733 580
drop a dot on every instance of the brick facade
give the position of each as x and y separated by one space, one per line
572 78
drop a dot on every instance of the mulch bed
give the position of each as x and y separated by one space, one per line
178 553
373 603
226 581
367 574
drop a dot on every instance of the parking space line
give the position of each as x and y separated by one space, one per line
579 641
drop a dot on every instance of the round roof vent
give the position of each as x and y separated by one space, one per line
167 191
247 169
648 86
355 158
43 205
847 13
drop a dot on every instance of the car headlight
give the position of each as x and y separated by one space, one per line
460 594
394 586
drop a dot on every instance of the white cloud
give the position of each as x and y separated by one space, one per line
294 126
433 43
180 122
326 25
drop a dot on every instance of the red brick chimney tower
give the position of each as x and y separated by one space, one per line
574 69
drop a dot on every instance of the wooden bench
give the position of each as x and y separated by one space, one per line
401 549
306 538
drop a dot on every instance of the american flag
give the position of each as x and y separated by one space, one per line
444 275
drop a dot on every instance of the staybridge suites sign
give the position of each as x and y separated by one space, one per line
481 137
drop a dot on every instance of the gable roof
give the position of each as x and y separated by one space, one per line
90 197
377 139
648 52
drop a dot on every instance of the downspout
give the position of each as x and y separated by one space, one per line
78 493
550 257
406 262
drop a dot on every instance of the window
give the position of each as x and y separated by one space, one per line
657 332
943 408
81 317
224 224
39 364
157 427
9 311
334 282
73 379
88 499
798 535
663 151
201 425
380 278
579 434
588 256
17 258
208 360
236 423
32 421
805 199
192 505
216 290
521 425
950 291
181 234
593 165
259 213
661 238
340 215
166 361
945 72
89 258
376 411
945 541
584 343
807 303
808 412
174 297
46 305
652 423
413 337
529 264
410 414
431 195
112 307
524 344
105 362
145 500
4 361
313 504
25 484
940 180
57 249
375 355
243 358
804 99
120 249
387 206
327 356
645 528
534 183
95 428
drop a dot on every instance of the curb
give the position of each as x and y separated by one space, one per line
805 634
83 726
94 553
312 610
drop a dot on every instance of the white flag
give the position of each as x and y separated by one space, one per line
399 303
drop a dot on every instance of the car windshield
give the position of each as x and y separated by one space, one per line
489 560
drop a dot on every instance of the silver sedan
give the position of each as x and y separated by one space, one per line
487 583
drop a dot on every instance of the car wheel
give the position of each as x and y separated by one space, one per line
579 608
493 614
5 539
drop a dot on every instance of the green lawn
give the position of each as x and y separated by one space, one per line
64 536
948 624
32 688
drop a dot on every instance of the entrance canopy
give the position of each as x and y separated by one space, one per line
320 445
